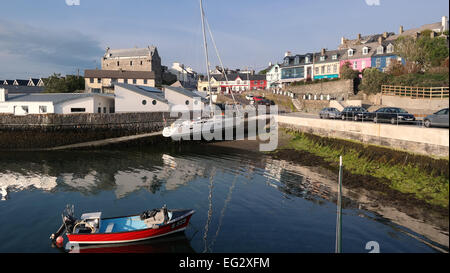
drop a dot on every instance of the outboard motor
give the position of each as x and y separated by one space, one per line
68 222
166 214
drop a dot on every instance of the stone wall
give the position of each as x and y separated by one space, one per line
413 103
51 130
338 89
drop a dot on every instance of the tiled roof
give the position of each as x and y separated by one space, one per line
358 51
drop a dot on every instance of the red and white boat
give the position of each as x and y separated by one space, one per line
92 229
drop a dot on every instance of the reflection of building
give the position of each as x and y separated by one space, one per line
17 182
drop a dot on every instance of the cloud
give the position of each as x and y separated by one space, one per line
59 50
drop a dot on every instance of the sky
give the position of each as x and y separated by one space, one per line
39 38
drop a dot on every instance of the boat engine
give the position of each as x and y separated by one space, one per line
68 222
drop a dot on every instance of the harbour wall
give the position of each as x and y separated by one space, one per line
428 141
32 132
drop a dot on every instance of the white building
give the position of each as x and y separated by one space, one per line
55 103
273 76
181 96
185 74
133 98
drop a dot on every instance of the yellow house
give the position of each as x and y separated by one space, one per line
215 84
326 64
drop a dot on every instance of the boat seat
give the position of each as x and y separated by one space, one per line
109 228
156 220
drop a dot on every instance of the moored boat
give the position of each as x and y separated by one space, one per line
92 229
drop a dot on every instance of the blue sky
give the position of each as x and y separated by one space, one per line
38 38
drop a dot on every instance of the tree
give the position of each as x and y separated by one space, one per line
372 80
347 72
58 84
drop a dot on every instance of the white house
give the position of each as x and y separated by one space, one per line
55 103
185 74
273 76
135 98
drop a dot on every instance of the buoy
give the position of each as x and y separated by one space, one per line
59 241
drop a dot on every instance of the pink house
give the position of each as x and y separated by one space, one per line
359 56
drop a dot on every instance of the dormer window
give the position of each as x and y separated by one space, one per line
365 50
286 61
390 48
380 50
297 60
307 59
334 57
350 52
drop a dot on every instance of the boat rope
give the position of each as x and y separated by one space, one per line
210 209
86 224
222 213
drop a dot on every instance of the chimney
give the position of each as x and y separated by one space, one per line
270 63
288 53
400 30
322 51
380 40
444 23
385 35
3 95
359 36
342 40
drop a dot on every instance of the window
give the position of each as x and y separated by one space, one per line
255 82
141 62
113 80
316 70
77 110
378 62
286 60
131 62
144 102
118 63
104 110
187 102
261 82
350 52
328 68
380 50
390 48
365 50
388 61
111 110
297 60
145 81
322 70
307 59
335 67
334 57
322 58
99 80
91 80
42 109
134 81
154 102
99 110
355 65
363 64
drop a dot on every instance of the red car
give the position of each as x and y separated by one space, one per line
258 98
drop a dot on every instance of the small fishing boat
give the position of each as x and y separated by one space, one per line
92 229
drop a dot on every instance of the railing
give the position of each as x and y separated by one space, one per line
415 92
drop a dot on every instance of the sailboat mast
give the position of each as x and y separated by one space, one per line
206 54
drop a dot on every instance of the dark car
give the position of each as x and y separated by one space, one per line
354 112
392 114
440 118
329 112
265 102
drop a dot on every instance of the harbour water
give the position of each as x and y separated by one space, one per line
244 201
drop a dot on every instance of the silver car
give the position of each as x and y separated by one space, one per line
440 118
329 112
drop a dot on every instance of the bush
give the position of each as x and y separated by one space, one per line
372 80
347 72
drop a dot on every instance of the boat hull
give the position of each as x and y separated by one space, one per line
176 225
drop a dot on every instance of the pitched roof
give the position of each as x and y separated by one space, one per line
413 31
34 82
184 92
56 98
147 91
328 56
16 89
8 82
130 52
358 51
119 74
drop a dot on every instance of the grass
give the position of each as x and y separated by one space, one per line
424 177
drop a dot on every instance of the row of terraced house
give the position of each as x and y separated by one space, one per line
376 50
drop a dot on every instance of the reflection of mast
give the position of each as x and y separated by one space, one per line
222 213
208 221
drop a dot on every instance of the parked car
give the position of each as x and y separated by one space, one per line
354 112
393 115
329 112
440 118
249 97
257 98
265 102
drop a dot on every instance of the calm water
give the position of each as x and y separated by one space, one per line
244 202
